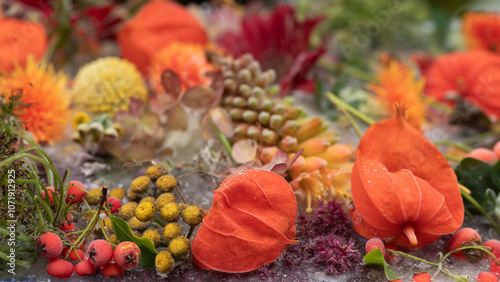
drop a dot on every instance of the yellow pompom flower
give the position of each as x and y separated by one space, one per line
145 211
117 192
153 234
94 195
170 212
193 215
42 89
154 172
163 199
140 184
179 246
127 211
171 230
164 262
106 85
166 183
79 118
137 224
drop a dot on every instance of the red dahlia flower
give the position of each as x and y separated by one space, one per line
279 42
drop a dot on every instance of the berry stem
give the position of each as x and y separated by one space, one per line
191 229
480 209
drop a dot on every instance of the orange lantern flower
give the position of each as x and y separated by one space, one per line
18 39
155 26
251 221
404 190
473 75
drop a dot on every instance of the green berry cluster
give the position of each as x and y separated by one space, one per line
247 98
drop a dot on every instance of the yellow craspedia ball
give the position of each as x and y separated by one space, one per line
127 211
140 184
117 192
164 262
193 215
137 224
170 212
154 172
163 199
94 195
153 234
145 211
179 246
106 85
166 183
171 230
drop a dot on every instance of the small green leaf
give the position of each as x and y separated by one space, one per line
124 233
495 175
375 257
489 200
475 175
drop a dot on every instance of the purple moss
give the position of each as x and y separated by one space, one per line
328 219
335 254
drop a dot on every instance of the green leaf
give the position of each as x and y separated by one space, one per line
489 200
495 175
124 233
375 257
476 176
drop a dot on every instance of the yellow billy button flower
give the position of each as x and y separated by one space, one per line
170 212
171 230
127 211
117 192
179 246
154 172
193 215
164 262
140 184
163 199
153 234
137 224
145 211
166 183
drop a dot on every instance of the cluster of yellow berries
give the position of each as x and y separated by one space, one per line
157 217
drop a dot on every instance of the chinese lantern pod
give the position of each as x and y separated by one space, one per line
251 221
155 26
404 191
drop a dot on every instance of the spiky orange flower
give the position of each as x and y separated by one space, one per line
188 61
397 84
43 91
482 31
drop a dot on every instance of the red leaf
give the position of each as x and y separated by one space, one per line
177 118
250 223
171 83
198 97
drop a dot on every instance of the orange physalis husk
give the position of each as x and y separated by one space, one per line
250 223
404 190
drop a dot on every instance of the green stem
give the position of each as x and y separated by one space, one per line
353 123
191 229
413 257
343 105
157 220
226 144
452 158
482 136
480 209
454 144
482 248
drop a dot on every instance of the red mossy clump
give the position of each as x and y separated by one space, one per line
250 223
404 190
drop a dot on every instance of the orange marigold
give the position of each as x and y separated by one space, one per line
397 84
188 61
43 92
18 39
482 31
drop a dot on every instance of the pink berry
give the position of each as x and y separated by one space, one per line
76 192
99 253
495 248
495 267
84 268
114 204
127 255
50 191
112 270
422 277
466 237
486 277
375 243
391 257
49 245
483 154
74 255
60 268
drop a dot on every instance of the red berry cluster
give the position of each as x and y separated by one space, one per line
99 255
462 238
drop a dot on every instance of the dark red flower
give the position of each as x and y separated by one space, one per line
281 42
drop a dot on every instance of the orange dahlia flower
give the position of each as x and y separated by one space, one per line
397 84
155 26
18 39
45 103
482 31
